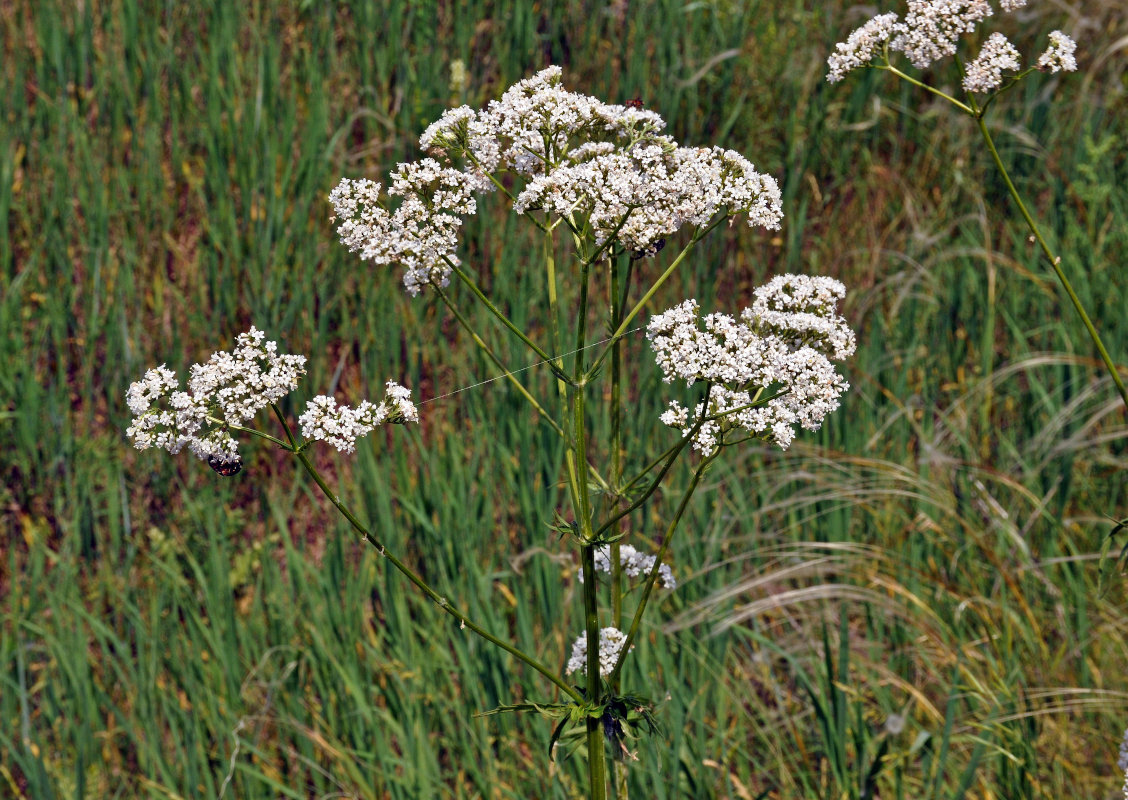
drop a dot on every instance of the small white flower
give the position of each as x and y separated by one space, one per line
1012 5
1059 55
860 47
611 641
248 379
985 73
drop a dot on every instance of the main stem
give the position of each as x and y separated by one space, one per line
618 769
616 442
581 507
1055 263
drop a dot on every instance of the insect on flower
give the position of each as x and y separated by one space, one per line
224 467
658 245
634 102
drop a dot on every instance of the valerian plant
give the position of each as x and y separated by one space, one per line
930 32
602 184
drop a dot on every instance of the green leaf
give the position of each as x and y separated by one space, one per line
550 710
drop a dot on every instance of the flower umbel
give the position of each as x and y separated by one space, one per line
860 47
932 28
603 167
341 426
985 73
1059 55
769 370
227 390
230 389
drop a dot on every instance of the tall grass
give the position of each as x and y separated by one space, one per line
931 555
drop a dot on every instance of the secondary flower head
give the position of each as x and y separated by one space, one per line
606 167
229 389
341 426
768 370
1059 55
931 29
611 641
985 73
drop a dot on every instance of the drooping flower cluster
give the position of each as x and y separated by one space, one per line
768 371
985 73
633 564
611 641
229 390
931 29
860 47
341 426
605 167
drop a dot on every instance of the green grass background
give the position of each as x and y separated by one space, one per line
932 555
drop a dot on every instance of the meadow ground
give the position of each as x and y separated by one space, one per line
919 585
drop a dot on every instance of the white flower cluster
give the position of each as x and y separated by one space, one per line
985 73
633 563
228 390
341 426
932 28
782 346
860 47
647 193
930 31
535 113
421 234
604 166
1059 55
611 641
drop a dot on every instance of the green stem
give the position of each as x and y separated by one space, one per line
616 443
581 507
660 556
597 762
1055 263
508 323
671 456
598 478
629 318
562 381
252 431
408 573
919 84
497 361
